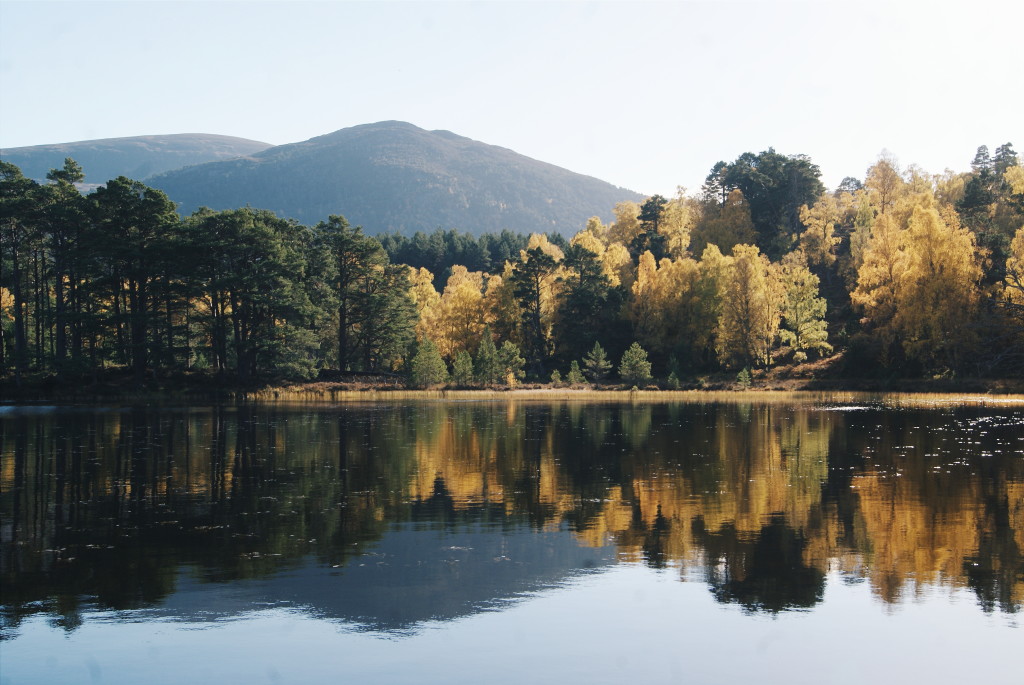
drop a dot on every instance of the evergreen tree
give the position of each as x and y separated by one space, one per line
428 368
597 364
18 205
575 376
649 237
462 369
775 186
487 368
128 243
531 281
388 328
511 363
252 270
65 217
587 304
351 257
634 368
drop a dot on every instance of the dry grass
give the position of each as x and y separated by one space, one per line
325 392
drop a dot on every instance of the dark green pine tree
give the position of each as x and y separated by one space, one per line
129 243
575 376
597 364
462 369
252 268
19 198
428 368
649 239
511 363
388 323
350 256
589 305
64 217
634 369
528 279
775 186
486 369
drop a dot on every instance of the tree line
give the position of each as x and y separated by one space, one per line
906 272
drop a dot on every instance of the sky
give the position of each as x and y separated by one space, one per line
644 95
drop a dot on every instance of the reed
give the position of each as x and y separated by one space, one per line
322 394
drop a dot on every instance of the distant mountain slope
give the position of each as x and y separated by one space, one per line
135 158
393 176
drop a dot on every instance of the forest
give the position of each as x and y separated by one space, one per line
901 274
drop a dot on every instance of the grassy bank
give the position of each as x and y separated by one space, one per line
775 384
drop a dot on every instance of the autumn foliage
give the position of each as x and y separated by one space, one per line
904 273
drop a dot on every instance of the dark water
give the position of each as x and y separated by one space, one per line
511 542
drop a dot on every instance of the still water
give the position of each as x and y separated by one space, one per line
795 541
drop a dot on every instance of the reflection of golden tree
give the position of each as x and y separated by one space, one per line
911 539
685 485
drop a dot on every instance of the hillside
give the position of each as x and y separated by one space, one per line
396 177
136 157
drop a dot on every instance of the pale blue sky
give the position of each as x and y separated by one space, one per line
646 95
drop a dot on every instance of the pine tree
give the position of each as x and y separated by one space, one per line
487 369
511 363
634 368
575 376
427 366
597 364
462 369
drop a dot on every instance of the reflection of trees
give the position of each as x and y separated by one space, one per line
763 498
766 572
901 497
110 505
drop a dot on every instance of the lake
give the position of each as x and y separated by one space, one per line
792 539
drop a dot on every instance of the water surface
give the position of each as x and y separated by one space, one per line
504 541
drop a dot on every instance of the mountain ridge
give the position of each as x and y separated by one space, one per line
137 157
393 176
389 177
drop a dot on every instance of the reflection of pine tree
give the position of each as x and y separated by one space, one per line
764 574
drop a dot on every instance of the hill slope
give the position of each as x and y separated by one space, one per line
136 157
393 176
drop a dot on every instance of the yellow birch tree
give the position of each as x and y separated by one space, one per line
819 241
751 308
937 296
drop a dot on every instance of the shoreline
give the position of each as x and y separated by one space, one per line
1001 391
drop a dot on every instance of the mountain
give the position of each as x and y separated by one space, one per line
396 177
136 157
